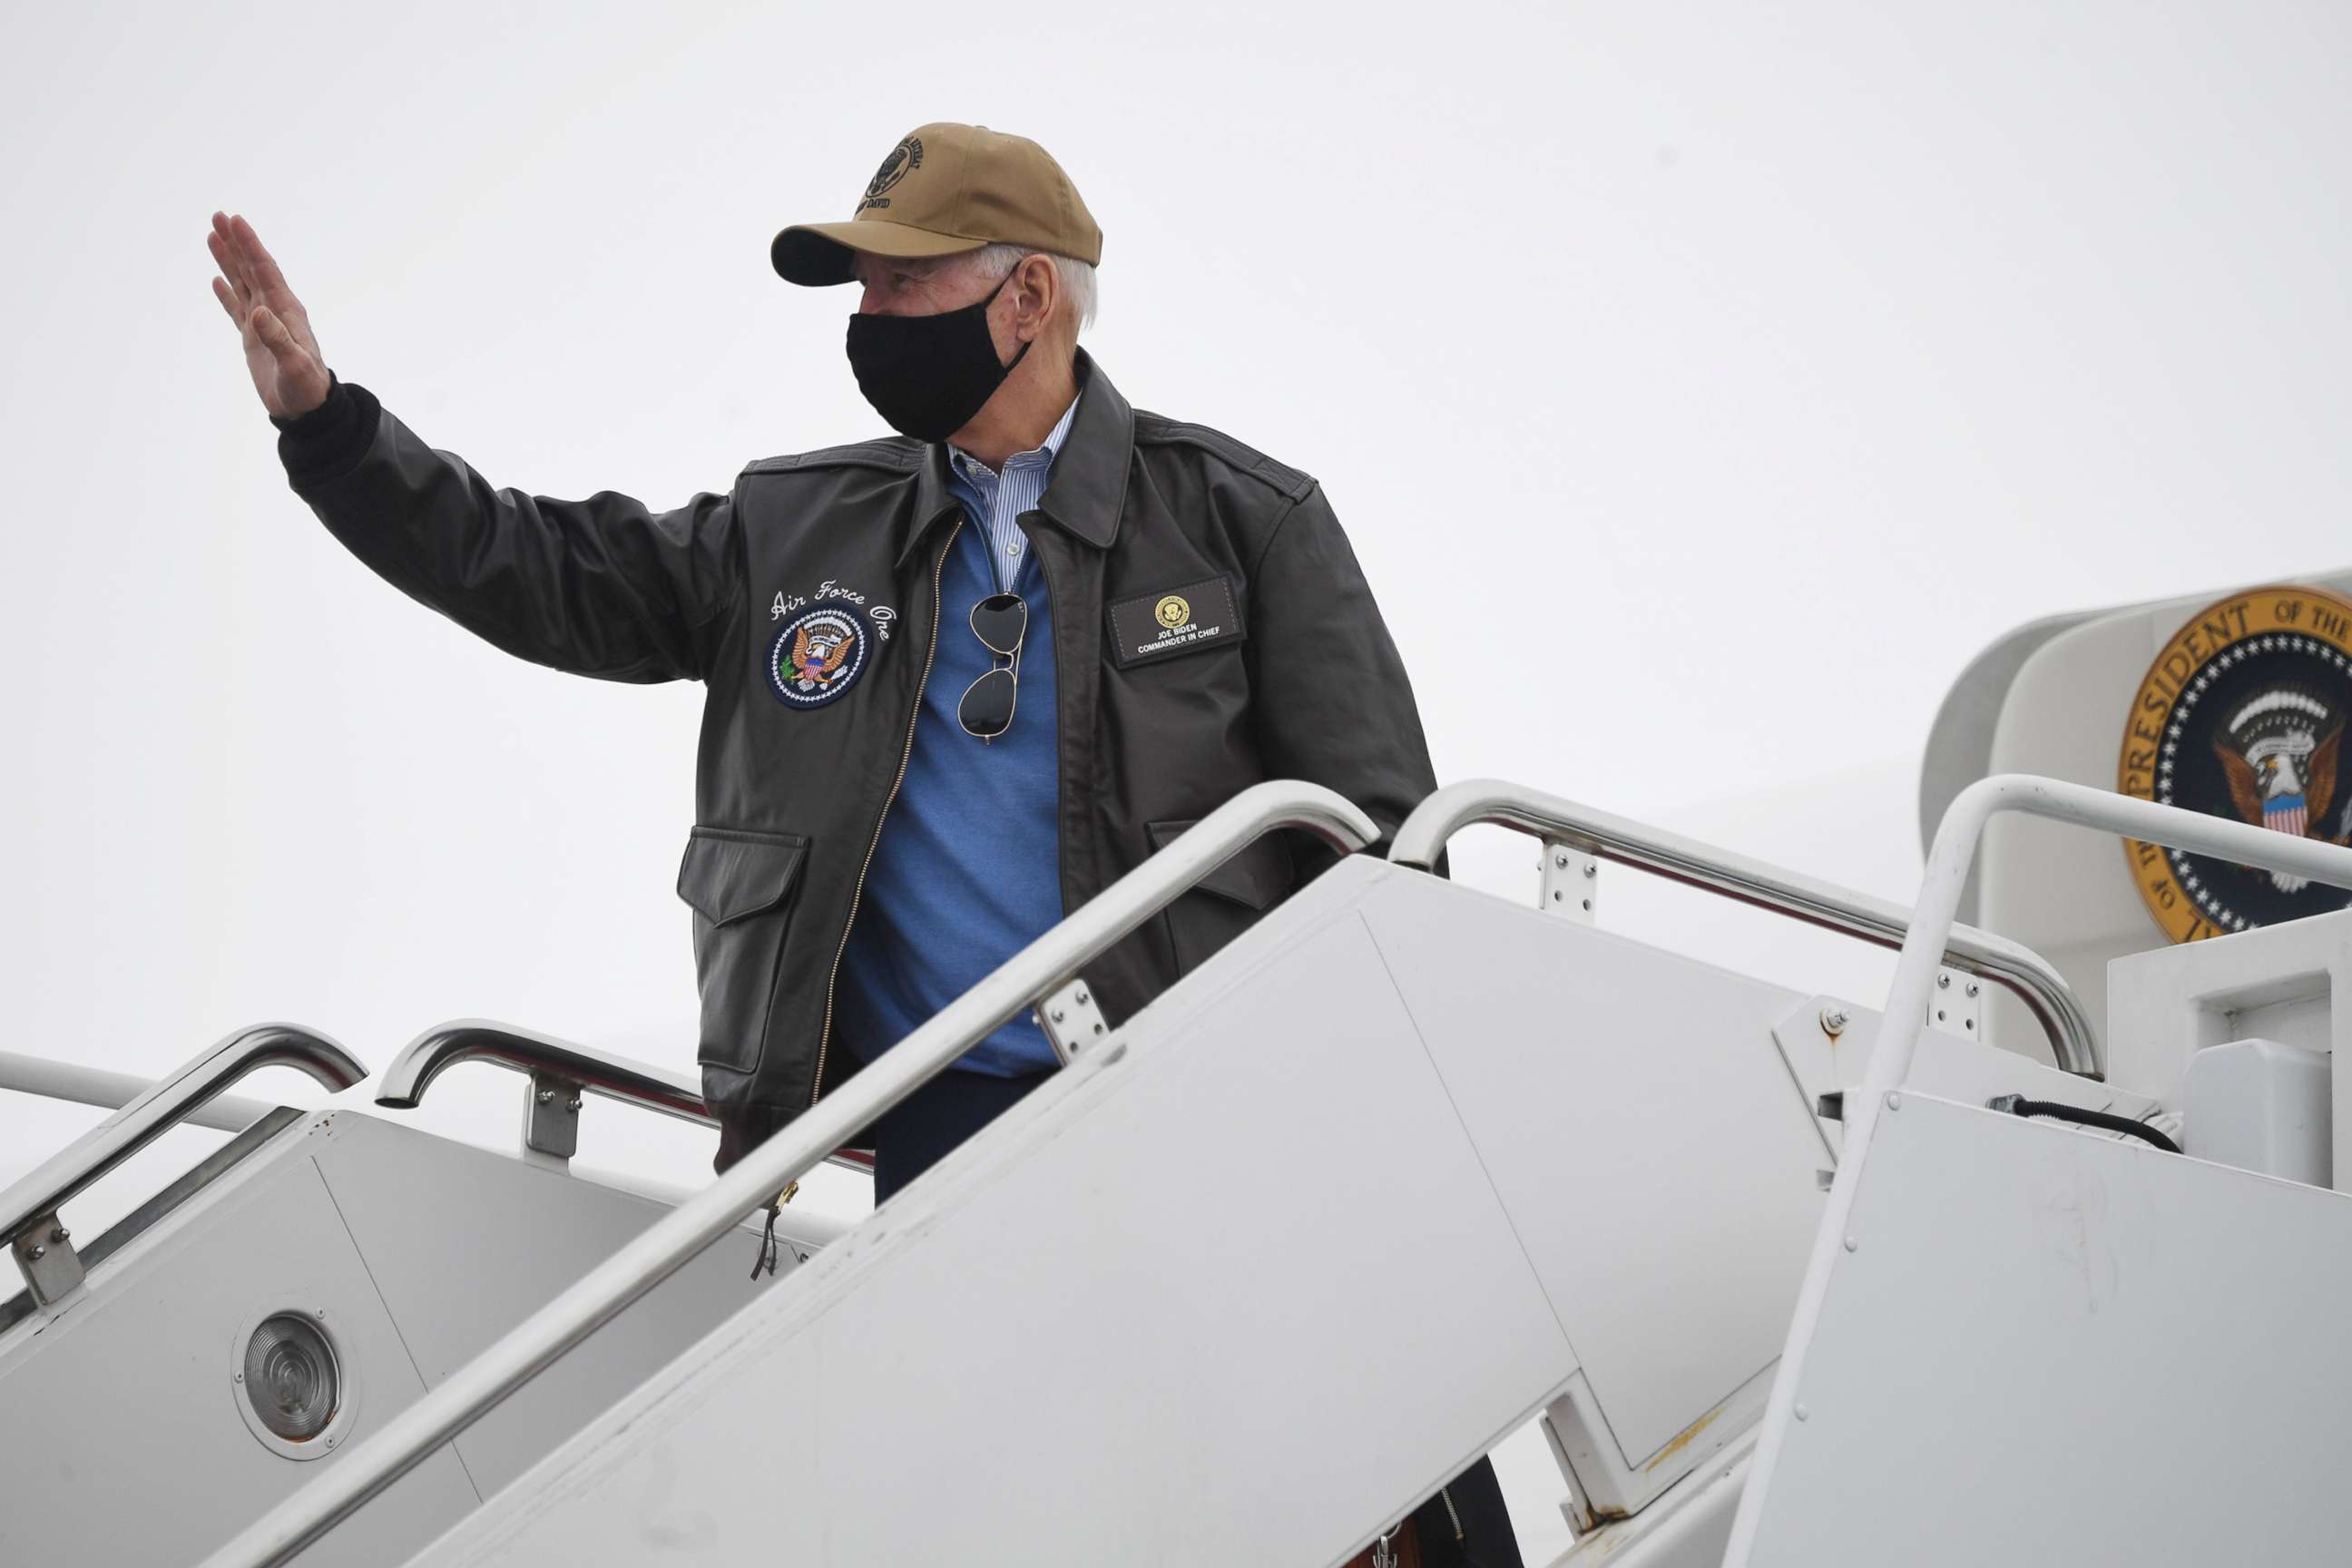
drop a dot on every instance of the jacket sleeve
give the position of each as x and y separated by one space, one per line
1330 699
604 586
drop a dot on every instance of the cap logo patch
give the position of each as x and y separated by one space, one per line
816 657
907 154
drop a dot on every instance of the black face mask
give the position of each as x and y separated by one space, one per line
928 375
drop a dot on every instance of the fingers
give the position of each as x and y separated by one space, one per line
223 241
250 270
261 266
224 258
254 292
290 354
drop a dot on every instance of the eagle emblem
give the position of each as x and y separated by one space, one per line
817 656
2242 715
2280 769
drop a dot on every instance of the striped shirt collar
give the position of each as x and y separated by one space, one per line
998 501
981 474
1090 472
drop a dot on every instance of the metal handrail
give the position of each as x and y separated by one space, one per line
1037 970
1907 1000
97 1086
167 1104
31 1203
2073 1044
554 1067
532 1054
1956 846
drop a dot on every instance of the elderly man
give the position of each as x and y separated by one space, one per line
959 680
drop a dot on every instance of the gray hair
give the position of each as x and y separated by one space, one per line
1078 277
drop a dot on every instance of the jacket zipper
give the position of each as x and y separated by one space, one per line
824 1034
1447 1493
1061 713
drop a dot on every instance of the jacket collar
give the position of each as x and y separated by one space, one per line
1089 490
934 500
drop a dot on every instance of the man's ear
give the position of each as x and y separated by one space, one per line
1037 289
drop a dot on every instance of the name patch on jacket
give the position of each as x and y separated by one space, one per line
1177 620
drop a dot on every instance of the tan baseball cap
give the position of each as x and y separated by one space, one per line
943 190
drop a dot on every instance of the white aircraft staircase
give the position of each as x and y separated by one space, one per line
1408 1163
127 1434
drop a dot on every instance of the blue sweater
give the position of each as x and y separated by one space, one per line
968 868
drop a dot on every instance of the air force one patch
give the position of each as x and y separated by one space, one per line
817 655
1153 626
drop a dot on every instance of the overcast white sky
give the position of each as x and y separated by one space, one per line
1701 384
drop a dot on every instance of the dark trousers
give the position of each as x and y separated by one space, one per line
913 1136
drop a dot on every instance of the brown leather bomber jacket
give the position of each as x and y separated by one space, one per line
1158 727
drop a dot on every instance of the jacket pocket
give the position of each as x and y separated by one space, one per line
741 885
1228 900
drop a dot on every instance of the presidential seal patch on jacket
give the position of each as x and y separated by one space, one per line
816 657
2242 715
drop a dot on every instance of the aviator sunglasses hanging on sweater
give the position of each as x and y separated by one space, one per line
1000 622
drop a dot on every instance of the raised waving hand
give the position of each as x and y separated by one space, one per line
280 350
